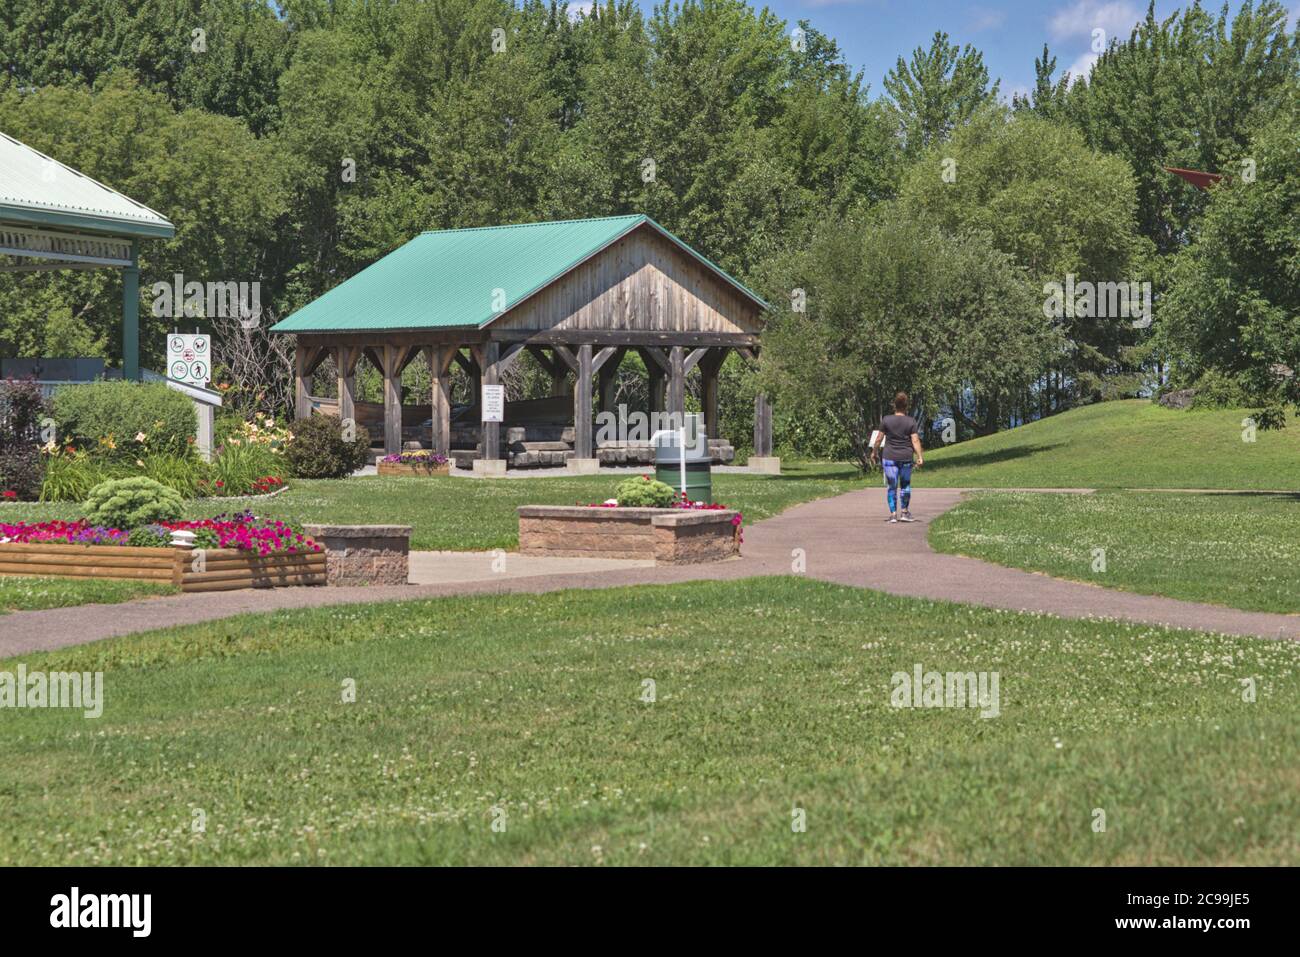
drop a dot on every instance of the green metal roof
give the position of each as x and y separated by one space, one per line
40 191
449 277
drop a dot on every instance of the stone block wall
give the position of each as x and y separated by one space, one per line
364 554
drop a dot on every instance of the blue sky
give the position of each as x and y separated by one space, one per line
874 33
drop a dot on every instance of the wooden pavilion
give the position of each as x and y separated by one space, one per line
578 295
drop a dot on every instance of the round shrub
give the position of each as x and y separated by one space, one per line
105 418
128 502
319 449
645 492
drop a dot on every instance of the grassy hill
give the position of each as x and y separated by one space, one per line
1128 444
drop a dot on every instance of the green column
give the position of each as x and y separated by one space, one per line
131 317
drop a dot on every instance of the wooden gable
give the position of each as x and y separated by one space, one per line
642 282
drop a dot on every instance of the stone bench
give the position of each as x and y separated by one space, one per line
364 554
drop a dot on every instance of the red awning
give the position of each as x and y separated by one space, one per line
1195 177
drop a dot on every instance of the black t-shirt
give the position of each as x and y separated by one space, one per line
898 430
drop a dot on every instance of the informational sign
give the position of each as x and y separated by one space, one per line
189 358
494 403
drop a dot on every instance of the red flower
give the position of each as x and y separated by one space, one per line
220 484
10 493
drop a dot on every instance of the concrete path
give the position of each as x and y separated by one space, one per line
842 539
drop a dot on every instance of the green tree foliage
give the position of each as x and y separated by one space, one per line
208 174
1056 208
1185 92
1233 305
893 302
936 90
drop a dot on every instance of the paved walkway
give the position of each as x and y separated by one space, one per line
843 540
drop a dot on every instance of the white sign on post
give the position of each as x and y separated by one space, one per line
189 358
494 403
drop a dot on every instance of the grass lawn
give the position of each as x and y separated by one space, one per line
770 695
19 593
462 514
1129 444
1238 550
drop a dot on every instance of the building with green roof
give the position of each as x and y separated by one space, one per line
54 217
578 295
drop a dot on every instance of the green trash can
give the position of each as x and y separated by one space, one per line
699 467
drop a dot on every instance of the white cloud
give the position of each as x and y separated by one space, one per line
1081 67
986 19
1116 17
580 8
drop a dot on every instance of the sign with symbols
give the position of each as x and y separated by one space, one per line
189 358
494 403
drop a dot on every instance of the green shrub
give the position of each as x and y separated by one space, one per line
128 502
206 538
319 450
69 476
184 473
149 536
645 492
105 418
236 467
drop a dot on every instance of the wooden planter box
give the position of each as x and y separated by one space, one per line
667 536
413 468
219 569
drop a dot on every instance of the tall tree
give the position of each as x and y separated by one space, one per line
936 90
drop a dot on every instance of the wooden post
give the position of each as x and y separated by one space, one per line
345 360
439 359
606 380
392 365
762 426
582 446
301 392
677 384
709 369
489 432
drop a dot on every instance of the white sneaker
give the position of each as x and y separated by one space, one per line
906 516
893 519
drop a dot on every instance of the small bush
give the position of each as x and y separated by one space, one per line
150 536
645 492
123 421
22 407
128 502
237 469
318 449
184 473
22 471
69 476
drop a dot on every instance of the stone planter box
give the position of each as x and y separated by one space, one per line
668 536
364 554
417 469
212 569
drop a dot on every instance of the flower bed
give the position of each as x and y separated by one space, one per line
237 551
666 536
421 463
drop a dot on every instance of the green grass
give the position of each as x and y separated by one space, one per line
1130 444
1238 550
18 593
475 514
771 694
